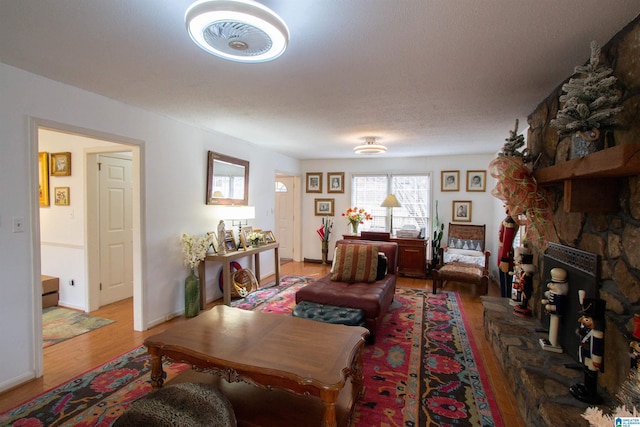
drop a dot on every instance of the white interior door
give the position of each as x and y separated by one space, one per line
116 235
285 215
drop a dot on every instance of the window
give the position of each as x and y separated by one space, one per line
411 190
280 187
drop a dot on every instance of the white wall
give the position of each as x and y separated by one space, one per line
173 166
485 208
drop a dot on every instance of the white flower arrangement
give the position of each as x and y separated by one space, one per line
254 237
194 248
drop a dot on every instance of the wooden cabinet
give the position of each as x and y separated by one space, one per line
412 255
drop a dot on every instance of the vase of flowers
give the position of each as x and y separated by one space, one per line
355 217
194 250
254 239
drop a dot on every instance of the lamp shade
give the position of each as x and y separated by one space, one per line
390 202
236 212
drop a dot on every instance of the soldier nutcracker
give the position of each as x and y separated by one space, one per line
554 302
506 234
526 286
591 348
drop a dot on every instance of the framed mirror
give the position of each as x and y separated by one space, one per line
227 180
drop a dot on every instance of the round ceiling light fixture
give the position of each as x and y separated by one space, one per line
370 147
237 30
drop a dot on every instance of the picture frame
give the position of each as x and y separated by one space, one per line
461 211
230 241
60 164
214 242
61 196
269 237
323 207
244 232
314 182
450 181
477 180
335 182
43 178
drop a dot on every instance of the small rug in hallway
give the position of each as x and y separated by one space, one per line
423 370
60 324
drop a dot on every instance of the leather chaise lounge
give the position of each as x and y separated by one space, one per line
373 295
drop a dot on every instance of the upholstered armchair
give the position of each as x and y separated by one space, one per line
464 259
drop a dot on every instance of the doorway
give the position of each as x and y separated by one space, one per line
86 147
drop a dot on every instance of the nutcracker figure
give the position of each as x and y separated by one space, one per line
518 275
590 349
506 234
554 302
526 286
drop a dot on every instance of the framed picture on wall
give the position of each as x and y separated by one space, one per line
335 182
61 195
60 164
324 207
43 178
314 182
461 211
476 180
450 181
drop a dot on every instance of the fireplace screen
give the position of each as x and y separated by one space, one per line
582 274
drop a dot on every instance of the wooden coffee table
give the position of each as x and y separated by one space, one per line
271 351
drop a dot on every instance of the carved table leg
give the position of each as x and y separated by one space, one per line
329 400
356 376
157 373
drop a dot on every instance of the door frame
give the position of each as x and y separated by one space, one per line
139 253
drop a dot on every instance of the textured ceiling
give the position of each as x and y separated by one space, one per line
429 77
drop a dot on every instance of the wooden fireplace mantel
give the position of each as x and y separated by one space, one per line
590 183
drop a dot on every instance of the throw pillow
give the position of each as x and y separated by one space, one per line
356 263
382 266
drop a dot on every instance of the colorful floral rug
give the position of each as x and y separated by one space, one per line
60 324
423 370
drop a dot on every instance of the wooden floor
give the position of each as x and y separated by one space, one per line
80 354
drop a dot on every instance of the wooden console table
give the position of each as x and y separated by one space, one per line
226 259
412 255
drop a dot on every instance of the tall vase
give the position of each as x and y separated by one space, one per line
191 295
354 228
325 251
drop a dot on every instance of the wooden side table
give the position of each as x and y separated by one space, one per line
226 260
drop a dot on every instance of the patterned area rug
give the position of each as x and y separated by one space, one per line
60 324
423 370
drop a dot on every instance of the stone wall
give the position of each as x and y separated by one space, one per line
614 236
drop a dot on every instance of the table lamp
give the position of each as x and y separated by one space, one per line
391 202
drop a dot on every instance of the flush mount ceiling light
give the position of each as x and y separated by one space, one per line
238 30
370 147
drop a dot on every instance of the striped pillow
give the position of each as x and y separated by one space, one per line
355 263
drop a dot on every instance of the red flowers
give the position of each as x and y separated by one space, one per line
357 216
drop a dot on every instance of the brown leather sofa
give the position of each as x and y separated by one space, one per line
373 298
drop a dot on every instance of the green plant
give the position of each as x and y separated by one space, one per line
589 100
438 230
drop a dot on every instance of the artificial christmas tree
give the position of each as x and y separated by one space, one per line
589 103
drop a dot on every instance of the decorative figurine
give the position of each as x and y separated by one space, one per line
554 302
591 349
518 274
221 237
506 234
526 286
635 343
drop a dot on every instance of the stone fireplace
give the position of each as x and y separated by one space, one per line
611 232
596 209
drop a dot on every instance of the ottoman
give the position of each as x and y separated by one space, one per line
329 313
184 405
